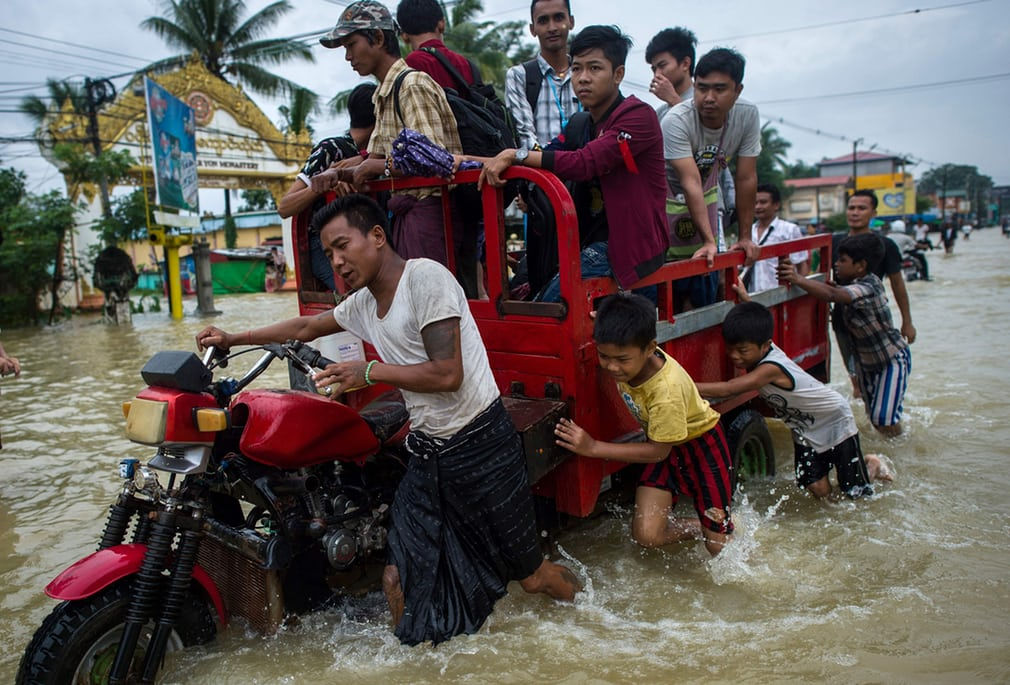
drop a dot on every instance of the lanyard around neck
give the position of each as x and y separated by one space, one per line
557 101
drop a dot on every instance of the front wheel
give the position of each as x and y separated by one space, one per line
77 642
750 446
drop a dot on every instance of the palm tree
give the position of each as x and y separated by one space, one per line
58 92
771 162
494 46
296 115
228 46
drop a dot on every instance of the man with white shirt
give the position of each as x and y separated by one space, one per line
463 523
768 230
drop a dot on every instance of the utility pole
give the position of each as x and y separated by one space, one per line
98 92
855 174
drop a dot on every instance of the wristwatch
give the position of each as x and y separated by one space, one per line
521 154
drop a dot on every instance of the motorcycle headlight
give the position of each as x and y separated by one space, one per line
146 479
146 421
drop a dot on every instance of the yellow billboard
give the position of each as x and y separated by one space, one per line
894 200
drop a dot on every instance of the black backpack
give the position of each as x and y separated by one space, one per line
534 82
541 224
484 125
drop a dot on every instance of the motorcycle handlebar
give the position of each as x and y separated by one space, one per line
307 355
302 355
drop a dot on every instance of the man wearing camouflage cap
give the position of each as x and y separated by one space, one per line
367 33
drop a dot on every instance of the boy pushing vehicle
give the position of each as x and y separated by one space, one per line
824 431
685 450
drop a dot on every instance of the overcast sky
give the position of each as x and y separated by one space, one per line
930 99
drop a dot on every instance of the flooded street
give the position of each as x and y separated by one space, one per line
912 585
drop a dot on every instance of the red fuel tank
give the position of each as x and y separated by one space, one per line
292 429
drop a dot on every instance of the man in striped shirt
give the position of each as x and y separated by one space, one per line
543 119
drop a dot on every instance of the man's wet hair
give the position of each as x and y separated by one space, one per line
863 247
625 319
389 40
679 42
609 39
772 190
360 106
723 60
419 16
533 7
866 192
359 210
748 322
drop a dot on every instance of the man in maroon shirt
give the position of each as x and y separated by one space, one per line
622 155
422 25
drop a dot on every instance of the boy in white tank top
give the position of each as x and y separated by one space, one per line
824 431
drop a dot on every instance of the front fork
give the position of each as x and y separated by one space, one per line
158 531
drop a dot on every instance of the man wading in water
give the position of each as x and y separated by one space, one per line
462 519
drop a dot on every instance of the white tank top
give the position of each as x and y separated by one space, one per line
816 414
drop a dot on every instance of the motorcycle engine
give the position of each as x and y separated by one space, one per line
345 544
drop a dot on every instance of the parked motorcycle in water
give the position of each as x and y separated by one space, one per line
272 498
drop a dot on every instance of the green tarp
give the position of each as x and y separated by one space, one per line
240 276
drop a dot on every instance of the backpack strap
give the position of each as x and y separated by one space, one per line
475 72
396 96
577 130
462 87
534 81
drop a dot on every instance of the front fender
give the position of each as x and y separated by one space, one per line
97 571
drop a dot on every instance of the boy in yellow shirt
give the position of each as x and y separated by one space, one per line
685 450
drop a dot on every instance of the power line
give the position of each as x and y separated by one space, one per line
60 52
968 80
75 45
842 22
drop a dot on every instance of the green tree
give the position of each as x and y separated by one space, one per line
837 223
31 254
494 46
947 177
296 115
80 166
801 169
230 47
230 232
36 107
127 221
771 163
256 200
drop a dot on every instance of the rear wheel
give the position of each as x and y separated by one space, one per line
914 268
750 445
77 642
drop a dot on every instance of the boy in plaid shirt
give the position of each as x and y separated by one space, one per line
883 360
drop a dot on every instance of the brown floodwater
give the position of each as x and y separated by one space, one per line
912 585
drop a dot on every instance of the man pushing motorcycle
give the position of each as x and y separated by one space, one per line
462 519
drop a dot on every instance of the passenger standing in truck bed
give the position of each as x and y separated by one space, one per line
618 164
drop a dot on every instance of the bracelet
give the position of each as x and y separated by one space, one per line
248 337
368 371
387 170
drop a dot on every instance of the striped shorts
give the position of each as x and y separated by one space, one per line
699 468
883 390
